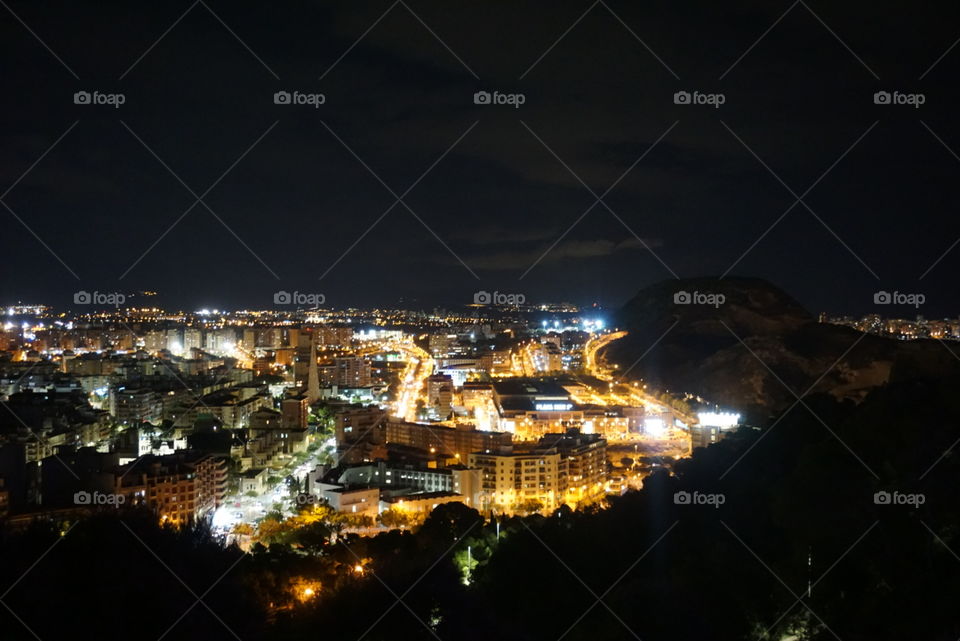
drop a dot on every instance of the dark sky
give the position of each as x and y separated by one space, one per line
294 186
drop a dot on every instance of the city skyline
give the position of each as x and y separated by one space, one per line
417 320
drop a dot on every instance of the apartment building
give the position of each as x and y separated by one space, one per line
561 469
180 488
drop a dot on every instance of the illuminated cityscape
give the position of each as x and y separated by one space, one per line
900 328
298 400
431 321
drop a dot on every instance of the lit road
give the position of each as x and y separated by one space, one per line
419 367
592 362
522 360
238 509
622 392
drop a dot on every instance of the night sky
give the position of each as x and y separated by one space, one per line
486 190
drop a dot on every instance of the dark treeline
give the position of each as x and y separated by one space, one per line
661 570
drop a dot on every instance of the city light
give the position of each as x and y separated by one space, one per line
654 426
722 420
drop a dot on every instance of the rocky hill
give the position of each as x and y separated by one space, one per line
742 342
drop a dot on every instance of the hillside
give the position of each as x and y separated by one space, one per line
745 349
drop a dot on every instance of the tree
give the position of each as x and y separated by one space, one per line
448 522
528 506
394 519
271 529
313 537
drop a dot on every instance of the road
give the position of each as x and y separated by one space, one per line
413 380
623 392
592 361
239 508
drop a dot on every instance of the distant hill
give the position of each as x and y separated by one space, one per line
707 329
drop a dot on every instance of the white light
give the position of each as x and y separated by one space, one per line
654 426
553 407
718 419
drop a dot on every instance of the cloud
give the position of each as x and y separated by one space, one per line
567 250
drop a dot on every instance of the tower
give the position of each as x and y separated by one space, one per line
313 376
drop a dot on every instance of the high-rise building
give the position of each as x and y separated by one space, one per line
248 340
295 411
445 442
270 338
155 341
442 344
585 458
440 394
560 469
220 341
518 480
180 488
192 339
349 371
335 336
313 376
135 406
174 341
358 423
271 435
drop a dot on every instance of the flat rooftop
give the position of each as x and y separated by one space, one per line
532 389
